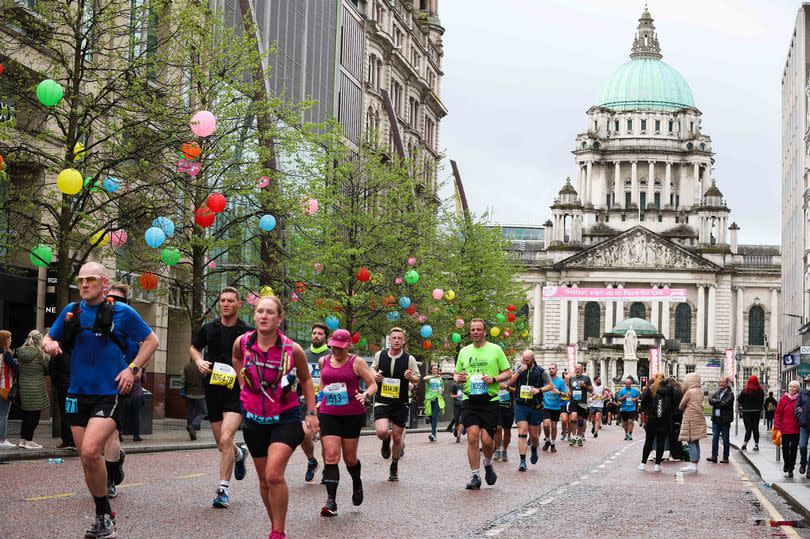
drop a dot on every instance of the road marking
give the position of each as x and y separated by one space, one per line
572 483
191 476
789 531
51 497
547 501
679 477
493 533
530 512
603 466
129 485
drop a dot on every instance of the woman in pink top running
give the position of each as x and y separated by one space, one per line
342 414
266 364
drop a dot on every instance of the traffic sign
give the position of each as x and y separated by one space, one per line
804 369
804 350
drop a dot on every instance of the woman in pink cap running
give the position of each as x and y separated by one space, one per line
342 414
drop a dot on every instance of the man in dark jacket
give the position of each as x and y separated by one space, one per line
722 402
59 371
802 411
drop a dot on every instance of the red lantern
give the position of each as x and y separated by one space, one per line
510 317
355 338
510 308
411 310
427 345
217 202
1 69
2 163
363 275
149 281
204 217
300 287
190 150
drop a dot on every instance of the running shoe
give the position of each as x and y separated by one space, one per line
475 483
393 472
596 434
121 457
553 448
385 450
642 466
330 509
112 492
630 437
458 439
192 434
431 437
497 455
572 442
221 501
275 534
504 457
357 493
489 475
103 527
312 465
522 466
534 456
546 445
239 468
579 442
657 468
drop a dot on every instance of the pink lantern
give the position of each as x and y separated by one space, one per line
310 206
118 237
264 181
203 123
211 264
447 346
459 323
194 168
422 319
398 280
411 260
294 296
438 294
318 267
252 298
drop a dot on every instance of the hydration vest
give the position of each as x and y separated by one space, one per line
103 325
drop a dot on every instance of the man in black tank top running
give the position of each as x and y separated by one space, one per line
393 369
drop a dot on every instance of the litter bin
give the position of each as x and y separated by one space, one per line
146 414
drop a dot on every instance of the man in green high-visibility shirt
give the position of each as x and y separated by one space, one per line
481 366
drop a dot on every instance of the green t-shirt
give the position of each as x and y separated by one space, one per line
487 360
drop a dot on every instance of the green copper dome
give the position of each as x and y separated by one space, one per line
642 327
646 84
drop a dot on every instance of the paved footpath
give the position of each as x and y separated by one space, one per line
169 495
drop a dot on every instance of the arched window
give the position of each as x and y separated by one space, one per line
637 310
592 314
683 323
756 326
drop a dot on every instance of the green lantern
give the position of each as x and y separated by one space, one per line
363 343
455 337
49 92
170 256
500 318
41 255
411 277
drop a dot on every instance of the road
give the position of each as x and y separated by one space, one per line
579 492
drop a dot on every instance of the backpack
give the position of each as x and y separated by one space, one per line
103 325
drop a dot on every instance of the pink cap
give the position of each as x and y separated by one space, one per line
341 338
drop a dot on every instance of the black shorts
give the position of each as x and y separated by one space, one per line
628 416
345 426
574 408
506 416
81 409
259 437
395 412
480 414
220 399
553 415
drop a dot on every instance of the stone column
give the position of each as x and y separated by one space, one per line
698 185
591 367
683 188
710 331
701 316
618 185
634 182
603 371
667 191
619 307
609 312
774 332
588 183
655 306
537 304
665 315
651 183
581 180
563 320
574 320
739 307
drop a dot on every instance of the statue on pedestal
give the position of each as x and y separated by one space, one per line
630 344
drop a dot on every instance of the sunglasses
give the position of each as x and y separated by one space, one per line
119 299
90 279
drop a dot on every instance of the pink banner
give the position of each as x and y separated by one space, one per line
730 367
572 358
638 294
655 361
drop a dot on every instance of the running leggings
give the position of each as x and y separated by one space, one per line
659 438
751 422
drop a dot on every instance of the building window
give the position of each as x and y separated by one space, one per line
595 125
616 126
657 200
643 201
624 218
643 125
690 369
677 201
756 326
691 127
657 126
747 372
638 310
628 198
671 126
629 126
592 314
683 323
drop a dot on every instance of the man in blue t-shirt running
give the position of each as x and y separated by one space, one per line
552 408
98 373
628 398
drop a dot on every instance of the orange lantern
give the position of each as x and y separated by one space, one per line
319 303
427 345
149 281
190 150
389 301
300 287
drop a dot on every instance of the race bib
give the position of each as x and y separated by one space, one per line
477 385
526 392
223 375
261 420
71 405
435 384
503 395
576 394
390 388
336 394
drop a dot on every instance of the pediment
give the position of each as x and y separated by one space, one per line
638 249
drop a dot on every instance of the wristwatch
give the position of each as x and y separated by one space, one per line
312 412
134 368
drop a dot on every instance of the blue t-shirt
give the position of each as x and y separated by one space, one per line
628 406
96 361
552 401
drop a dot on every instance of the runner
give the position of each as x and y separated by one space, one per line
628 397
264 360
553 409
434 400
506 418
93 331
457 392
481 367
595 405
221 390
342 415
580 387
317 349
611 408
532 382
565 418
393 370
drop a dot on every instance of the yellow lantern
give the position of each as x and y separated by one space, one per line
495 331
99 237
266 291
79 152
450 295
69 181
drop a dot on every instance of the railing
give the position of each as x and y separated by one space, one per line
758 260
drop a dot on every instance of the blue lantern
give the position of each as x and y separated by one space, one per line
111 184
332 322
154 237
426 331
267 222
166 225
392 316
404 302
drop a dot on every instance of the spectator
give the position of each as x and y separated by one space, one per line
135 405
676 451
9 369
750 401
693 424
656 405
59 371
33 396
770 408
786 423
803 416
193 392
722 402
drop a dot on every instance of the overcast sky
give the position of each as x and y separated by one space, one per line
519 76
